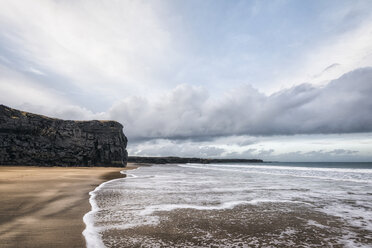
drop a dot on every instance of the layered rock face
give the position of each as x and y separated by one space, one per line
30 139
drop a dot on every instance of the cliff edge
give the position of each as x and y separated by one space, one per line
30 139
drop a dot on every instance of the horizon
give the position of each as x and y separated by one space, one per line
231 158
277 81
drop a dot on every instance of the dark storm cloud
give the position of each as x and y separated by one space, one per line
342 106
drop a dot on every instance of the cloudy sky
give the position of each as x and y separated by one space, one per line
278 80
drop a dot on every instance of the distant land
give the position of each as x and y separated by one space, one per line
179 160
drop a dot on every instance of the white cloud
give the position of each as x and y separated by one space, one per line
109 47
348 50
16 89
35 71
25 94
125 60
130 48
342 106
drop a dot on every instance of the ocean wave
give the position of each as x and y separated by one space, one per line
225 205
145 199
338 174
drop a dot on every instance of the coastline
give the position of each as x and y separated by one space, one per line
90 233
44 206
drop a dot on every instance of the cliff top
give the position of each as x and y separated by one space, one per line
15 114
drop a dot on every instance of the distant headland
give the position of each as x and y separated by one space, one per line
179 160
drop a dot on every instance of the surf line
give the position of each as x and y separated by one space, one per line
91 233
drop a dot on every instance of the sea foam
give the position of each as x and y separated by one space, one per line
91 233
147 198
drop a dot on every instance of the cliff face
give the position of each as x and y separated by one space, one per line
30 139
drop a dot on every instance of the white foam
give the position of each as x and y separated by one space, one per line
314 223
343 170
349 241
337 174
354 216
131 176
226 205
91 233
141 200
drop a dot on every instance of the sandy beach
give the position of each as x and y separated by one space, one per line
44 206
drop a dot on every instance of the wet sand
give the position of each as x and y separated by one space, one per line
224 206
44 206
265 225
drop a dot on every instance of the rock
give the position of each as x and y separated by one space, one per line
30 139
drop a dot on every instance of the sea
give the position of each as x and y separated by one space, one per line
234 205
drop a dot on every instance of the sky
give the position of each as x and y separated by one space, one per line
277 80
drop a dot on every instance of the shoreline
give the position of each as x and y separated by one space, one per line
45 206
90 233
235 207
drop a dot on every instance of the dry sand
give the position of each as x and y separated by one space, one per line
44 207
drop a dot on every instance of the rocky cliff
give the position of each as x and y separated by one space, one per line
30 139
